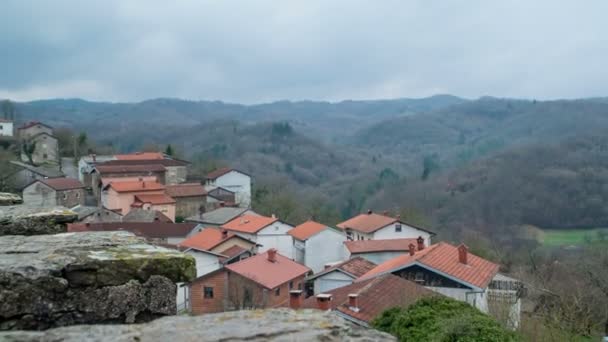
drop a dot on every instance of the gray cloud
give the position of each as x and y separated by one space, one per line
257 51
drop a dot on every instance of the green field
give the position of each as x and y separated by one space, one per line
565 237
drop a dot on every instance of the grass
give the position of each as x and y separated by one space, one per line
567 237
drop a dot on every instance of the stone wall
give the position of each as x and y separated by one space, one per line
26 220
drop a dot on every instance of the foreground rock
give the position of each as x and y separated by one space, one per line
260 325
6 198
26 220
98 277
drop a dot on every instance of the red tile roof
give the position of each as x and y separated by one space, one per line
207 239
220 172
385 245
233 251
154 199
145 229
61 184
103 168
371 222
355 267
139 156
266 273
443 258
186 190
306 230
163 162
374 296
250 224
32 124
131 186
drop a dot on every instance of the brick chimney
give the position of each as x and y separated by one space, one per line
323 300
272 255
353 302
463 252
420 242
295 299
412 249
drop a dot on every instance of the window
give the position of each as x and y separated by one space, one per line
398 227
299 286
78 195
65 196
419 277
291 285
44 156
277 292
208 292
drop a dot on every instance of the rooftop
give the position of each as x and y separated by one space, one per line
144 215
267 273
43 171
131 186
443 258
220 172
207 239
163 162
145 229
107 168
32 124
61 184
249 223
371 222
386 245
219 216
306 230
154 199
354 267
139 156
185 190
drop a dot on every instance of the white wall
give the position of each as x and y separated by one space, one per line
238 183
476 299
205 262
407 232
275 236
377 257
6 129
323 248
330 281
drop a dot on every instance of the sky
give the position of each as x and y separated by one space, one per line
260 51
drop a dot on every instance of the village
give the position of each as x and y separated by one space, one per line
356 269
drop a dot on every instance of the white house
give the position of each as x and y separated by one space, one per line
372 226
341 274
6 128
269 232
316 245
446 269
233 180
379 251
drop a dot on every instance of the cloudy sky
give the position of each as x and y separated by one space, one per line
257 51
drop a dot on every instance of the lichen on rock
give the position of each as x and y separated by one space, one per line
7 198
27 220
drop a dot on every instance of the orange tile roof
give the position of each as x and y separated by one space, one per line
385 245
61 184
103 168
306 230
155 199
250 224
186 190
207 239
266 273
139 156
233 251
367 223
136 186
374 296
355 267
443 258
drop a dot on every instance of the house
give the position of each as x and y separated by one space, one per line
155 232
118 195
379 251
220 216
27 173
261 281
176 171
372 226
232 180
270 232
338 275
86 165
220 197
145 215
39 136
155 202
90 214
189 198
66 192
363 301
450 270
6 128
316 244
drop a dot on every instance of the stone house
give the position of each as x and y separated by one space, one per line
65 192
174 171
26 173
232 180
315 245
189 198
94 214
6 128
46 147
155 202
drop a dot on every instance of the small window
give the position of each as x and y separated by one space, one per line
398 227
45 155
277 292
291 285
65 196
208 292
299 286
78 195
419 277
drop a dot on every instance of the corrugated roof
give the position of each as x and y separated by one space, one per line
185 190
131 186
105 168
374 296
61 184
249 223
207 239
384 245
267 273
154 199
355 267
145 229
306 230
140 156
443 258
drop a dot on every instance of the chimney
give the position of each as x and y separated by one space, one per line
273 216
420 242
295 299
323 300
224 234
353 302
412 249
463 252
94 157
369 212
272 255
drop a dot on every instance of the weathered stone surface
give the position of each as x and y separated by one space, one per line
71 278
6 198
26 220
260 325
